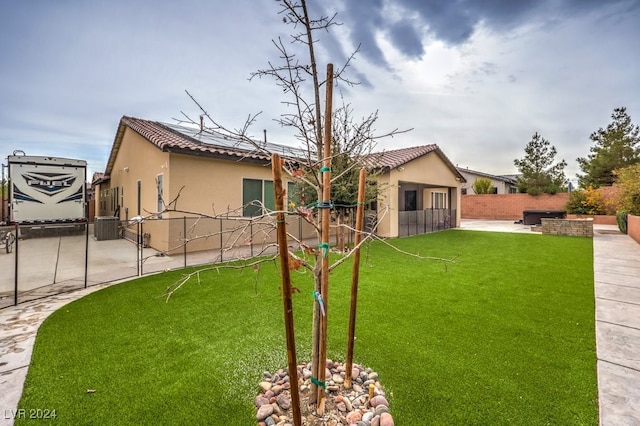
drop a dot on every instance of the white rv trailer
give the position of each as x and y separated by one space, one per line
46 189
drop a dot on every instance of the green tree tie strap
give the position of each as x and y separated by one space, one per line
318 297
325 248
326 204
317 382
325 169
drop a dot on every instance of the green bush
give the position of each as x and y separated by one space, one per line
577 203
621 217
483 186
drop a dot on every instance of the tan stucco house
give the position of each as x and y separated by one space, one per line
153 163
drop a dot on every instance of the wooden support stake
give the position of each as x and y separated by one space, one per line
283 249
355 275
326 236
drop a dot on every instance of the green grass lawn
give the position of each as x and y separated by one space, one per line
505 335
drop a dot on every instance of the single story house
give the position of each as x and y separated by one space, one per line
152 164
502 184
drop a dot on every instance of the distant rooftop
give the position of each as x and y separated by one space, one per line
506 178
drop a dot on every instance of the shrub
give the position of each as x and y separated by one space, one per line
629 184
621 218
590 201
483 186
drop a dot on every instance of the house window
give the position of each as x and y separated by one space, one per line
439 200
463 191
114 200
256 191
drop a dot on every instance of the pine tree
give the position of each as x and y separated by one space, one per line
538 173
616 147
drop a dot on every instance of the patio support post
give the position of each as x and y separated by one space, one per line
141 240
86 252
283 250
138 245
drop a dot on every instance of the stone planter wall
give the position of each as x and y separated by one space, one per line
574 228
599 219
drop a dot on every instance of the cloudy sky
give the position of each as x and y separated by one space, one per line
477 78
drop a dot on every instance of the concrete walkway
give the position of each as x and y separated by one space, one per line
617 289
616 264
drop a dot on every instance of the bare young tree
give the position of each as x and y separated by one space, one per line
351 146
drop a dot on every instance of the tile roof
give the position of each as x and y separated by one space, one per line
192 141
398 157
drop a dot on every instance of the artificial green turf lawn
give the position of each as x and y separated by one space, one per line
505 335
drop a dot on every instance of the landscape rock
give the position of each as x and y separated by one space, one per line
354 417
381 409
265 386
386 420
379 400
342 406
264 412
260 401
284 401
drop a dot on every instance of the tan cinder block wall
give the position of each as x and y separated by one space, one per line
633 227
509 206
573 228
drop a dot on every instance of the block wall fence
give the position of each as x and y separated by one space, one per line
633 227
509 206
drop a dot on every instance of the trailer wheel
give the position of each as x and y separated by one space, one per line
9 239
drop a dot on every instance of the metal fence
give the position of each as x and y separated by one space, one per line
48 260
41 261
425 221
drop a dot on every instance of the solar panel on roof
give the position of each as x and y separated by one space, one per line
214 138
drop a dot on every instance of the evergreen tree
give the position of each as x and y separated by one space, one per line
616 147
538 173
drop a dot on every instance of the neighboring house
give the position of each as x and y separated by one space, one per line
152 164
502 184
